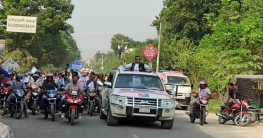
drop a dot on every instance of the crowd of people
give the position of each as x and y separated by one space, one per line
64 81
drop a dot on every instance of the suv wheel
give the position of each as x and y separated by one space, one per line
111 121
167 124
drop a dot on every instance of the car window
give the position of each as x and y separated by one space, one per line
138 81
178 80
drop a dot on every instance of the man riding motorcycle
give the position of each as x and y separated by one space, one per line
48 84
15 84
35 84
73 86
202 91
233 94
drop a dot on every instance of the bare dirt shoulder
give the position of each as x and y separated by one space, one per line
228 130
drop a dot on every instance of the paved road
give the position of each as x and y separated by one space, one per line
93 127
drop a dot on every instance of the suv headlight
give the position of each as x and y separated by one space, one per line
187 94
167 102
117 99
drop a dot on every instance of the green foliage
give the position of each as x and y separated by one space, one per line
111 60
49 68
52 43
25 62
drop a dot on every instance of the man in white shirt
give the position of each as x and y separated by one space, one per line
138 66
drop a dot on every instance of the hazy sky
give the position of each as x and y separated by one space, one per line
96 21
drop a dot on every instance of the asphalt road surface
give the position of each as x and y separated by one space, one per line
93 127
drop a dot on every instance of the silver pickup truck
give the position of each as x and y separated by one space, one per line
136 95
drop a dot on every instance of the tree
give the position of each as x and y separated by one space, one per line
23 61
52 43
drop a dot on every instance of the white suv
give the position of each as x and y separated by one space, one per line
138 95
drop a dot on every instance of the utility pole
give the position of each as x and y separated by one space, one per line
102 68
122 48
159 45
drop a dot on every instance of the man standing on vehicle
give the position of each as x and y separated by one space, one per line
73 86
233 94
202 91
137 66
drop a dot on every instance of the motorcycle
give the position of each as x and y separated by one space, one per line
199 110
3 97
240 116
16 106
74 102
93 103
34 101
50 104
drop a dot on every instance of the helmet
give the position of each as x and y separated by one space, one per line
19 75
203 83
35 75
37 71
49 75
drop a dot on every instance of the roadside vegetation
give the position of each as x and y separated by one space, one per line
52 46
209 40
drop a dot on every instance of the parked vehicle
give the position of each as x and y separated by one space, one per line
50 104
74 102
16 105
178 86
240 116
136 95
199 110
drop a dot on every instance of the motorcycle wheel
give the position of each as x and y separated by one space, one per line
192 119
91 107
238 120
34 107
19 110
202 118
52 110
221 120
253 116
72 116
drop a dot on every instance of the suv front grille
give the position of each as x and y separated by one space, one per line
144 101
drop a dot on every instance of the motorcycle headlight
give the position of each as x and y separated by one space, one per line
77 101
187 94
51 95
69 100
203 101
167 102
117 99
35 93
20 94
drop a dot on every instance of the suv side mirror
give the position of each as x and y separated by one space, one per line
192 86
107 84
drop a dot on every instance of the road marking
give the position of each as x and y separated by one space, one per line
135 136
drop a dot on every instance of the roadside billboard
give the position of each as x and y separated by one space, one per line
22 24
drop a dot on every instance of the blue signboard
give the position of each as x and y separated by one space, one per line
76 66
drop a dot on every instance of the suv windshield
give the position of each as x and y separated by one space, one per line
139 81
178 80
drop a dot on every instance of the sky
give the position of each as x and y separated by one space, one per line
96 21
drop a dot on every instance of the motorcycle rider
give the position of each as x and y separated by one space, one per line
48 84
73 86
15 84
233 94
35 84
27 78
202 91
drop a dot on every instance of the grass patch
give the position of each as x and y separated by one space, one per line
214 105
